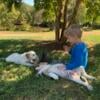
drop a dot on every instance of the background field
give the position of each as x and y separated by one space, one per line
19 82
93 35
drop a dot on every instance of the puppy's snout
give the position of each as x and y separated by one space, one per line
33 61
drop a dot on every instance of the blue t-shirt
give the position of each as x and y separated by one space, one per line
79 56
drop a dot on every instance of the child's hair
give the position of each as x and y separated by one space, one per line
74 30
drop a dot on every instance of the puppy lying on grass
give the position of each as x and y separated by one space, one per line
54 71
29 58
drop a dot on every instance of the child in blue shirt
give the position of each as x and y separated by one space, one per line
78 49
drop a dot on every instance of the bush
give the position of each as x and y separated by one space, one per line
59 57
7 19
23 27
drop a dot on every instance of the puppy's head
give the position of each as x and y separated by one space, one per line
32 57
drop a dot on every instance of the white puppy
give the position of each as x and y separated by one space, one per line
54 71
29 58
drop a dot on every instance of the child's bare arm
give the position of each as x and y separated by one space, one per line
66 48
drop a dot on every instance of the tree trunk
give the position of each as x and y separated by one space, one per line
93 20
66 23
64 19
73 18
58 20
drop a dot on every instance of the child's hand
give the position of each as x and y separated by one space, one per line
66 48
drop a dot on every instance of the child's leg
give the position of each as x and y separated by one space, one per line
85 82
82 72
88 76
85 74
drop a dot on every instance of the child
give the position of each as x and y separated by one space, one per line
78 49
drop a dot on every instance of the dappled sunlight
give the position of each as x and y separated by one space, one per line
40 26
22 80
1 50
94 61
59 56
14 72
9 46
66 86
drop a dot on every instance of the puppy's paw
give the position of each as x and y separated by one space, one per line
38 74
37 68
92 78
89 87
54 76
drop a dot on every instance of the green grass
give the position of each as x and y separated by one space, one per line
92 38
18 82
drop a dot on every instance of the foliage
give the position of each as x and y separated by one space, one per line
7 19
59 56
9 3
93 10
16 19
55 14
88 11
81 15
47 6
58 10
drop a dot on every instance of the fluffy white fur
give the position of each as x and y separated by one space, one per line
54 71
29 58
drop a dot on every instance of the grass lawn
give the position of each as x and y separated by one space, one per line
18 82
27 35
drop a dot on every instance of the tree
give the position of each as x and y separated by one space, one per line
59 9
81 14
93 10
14 18
9 3
7 19
47 6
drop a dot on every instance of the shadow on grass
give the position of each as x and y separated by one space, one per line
42 88
10 46
94 58
40 47
18 82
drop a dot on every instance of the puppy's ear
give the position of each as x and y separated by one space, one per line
27 55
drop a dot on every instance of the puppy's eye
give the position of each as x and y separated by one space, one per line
33 54
33 59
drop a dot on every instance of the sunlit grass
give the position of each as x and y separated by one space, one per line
14 73
92 36
28 35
